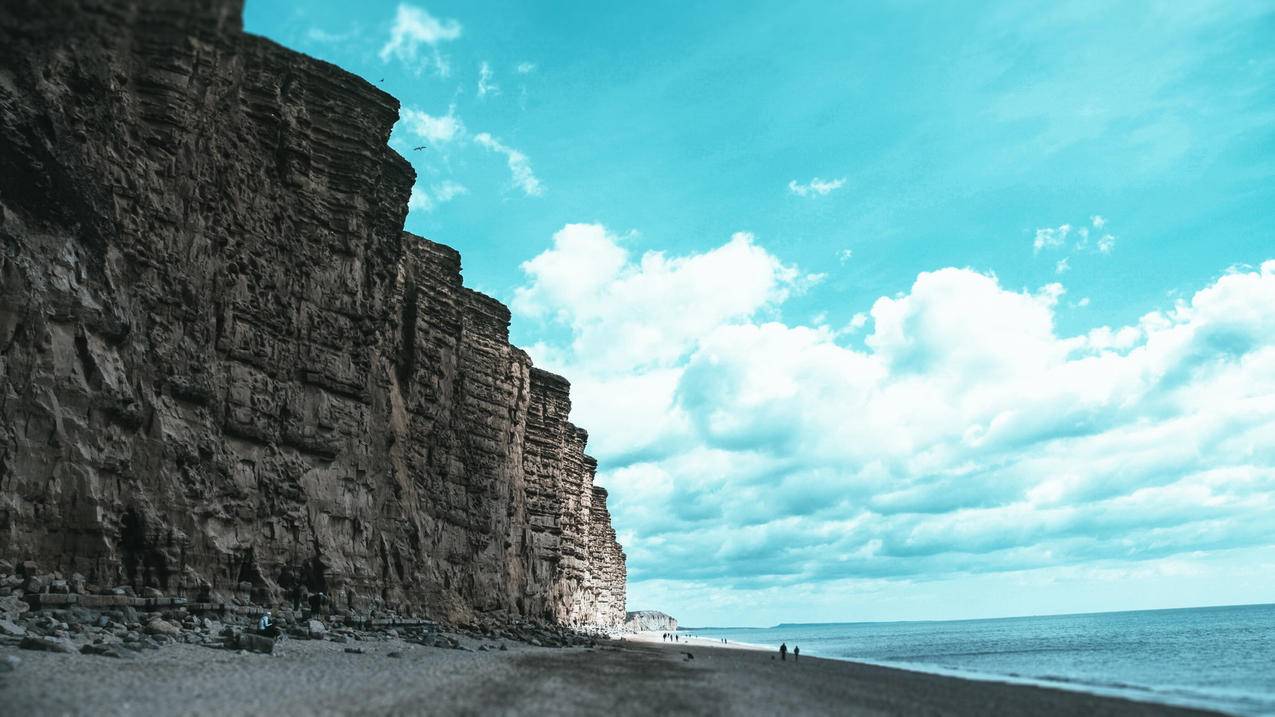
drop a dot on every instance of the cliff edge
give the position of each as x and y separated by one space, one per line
225 370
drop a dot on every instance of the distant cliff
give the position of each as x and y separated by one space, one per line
649 621
226 371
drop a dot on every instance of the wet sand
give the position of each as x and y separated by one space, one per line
634 677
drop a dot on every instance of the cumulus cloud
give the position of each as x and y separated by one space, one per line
519 165
845 255
485 84
413 28
525 68
816 187
963 435
433 129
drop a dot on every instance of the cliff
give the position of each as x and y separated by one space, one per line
225 370
649 621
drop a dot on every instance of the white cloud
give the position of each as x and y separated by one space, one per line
519 165
1056 238
1051 237
447 190
420 201
485 85
525 68
318 34
845 255
816 187
964 436
414 27
440 193
437 130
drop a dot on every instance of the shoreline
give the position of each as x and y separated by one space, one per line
1131 693
631 676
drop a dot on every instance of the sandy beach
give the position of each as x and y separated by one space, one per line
636 676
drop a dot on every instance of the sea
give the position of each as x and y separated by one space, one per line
1220 658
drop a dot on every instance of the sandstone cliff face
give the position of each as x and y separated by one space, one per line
224 368
650 621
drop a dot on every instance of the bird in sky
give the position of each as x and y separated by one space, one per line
417 149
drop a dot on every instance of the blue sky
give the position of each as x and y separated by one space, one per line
873 310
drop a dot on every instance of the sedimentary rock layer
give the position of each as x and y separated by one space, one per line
226 370
650 621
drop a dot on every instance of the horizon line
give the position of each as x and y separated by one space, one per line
963 619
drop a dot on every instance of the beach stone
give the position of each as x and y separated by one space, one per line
47 644
102 650
315 629
395 653
255 643
354 650
12 629
160 626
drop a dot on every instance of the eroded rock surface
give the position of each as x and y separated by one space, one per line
225 370
649 621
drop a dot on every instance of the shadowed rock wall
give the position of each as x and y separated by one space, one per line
224 367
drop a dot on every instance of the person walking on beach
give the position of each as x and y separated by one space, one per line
796 653
783 651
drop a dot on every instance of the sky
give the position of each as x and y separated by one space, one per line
873 311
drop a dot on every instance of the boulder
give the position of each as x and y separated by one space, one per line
47 644
160 626
102 650
255 643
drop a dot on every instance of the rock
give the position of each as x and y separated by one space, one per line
205 286
103 650
160 626
354 650
255 643
649 621
339 638
151 593
315 629
394 653
503 647
12 629
47 644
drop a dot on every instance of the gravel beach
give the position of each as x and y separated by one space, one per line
394 677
